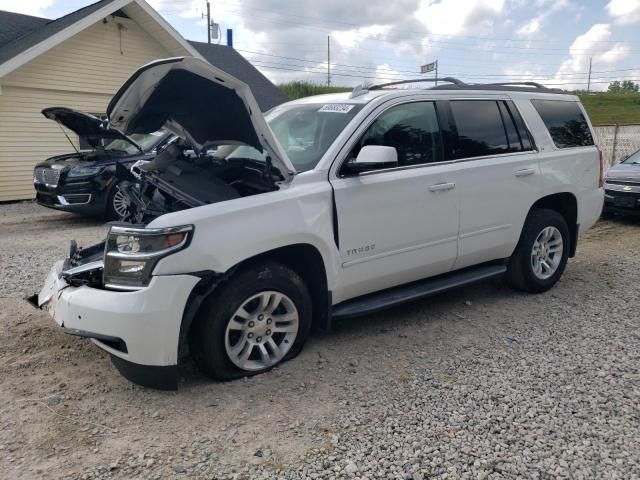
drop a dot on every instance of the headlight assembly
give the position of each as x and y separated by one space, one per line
132 253
84 171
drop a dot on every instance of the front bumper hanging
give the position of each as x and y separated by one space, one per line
140 329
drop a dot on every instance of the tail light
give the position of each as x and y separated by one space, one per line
601 176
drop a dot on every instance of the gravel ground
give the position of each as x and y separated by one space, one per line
478 383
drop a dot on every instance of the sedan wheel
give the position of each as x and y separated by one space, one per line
262 331
120 203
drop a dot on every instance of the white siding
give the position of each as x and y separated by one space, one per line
81 73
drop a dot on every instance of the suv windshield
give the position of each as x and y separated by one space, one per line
306 131
633 159
146 141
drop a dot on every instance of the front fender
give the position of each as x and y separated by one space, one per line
227 233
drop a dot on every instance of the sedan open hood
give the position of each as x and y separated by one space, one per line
198 102
85 125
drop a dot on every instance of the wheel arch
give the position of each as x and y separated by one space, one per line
566 204
303 258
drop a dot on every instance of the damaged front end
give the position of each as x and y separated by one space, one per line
84 266
226 148
179 178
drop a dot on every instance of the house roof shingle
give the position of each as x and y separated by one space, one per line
15 25
35 29
229 60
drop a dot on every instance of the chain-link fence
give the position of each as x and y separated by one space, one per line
617 141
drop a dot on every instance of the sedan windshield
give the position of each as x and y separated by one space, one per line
307 131
633 158
146 142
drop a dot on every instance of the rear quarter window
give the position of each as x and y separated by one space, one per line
565 121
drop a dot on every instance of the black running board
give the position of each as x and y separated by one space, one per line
391 297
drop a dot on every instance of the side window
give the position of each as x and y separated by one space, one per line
412 129
517 136
565 122
527 141
481 130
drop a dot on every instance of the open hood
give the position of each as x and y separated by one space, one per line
198 102
85 125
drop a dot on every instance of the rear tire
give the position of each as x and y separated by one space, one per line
257 319
542 252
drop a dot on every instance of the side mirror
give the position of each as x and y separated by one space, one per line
374 157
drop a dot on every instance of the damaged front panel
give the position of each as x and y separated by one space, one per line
179 178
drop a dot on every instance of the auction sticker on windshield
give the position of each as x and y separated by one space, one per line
336 108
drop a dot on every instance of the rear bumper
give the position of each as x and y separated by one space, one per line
139 329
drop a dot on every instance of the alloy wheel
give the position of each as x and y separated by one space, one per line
120 203
261 331
546 254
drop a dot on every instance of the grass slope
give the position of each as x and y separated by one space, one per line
296 90
608 108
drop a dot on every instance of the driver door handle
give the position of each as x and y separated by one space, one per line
442 187
525 172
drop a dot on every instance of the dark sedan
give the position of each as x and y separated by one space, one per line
84 181
622 187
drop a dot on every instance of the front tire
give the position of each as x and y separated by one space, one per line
542 252
257 319
117 204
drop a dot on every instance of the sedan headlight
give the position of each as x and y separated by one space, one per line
84 171
132 253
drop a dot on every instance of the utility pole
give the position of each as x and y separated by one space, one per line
589 80
328 60
208 22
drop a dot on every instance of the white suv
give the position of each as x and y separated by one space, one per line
326 207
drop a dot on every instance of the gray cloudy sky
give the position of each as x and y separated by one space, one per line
378 40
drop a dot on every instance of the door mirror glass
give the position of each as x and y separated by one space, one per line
374 157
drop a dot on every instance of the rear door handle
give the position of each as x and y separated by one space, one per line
525 172
441 187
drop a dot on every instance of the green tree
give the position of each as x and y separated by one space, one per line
626 86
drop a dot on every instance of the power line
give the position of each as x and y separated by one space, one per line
509 49
310 70
505 50
363 67
394 73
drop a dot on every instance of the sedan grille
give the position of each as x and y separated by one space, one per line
632 183
48 176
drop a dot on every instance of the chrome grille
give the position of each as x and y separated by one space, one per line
632 183
48 176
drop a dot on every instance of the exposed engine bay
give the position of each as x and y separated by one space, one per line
179 178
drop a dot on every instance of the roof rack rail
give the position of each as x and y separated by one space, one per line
453 80
508 86
455 84
515 84
365 87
